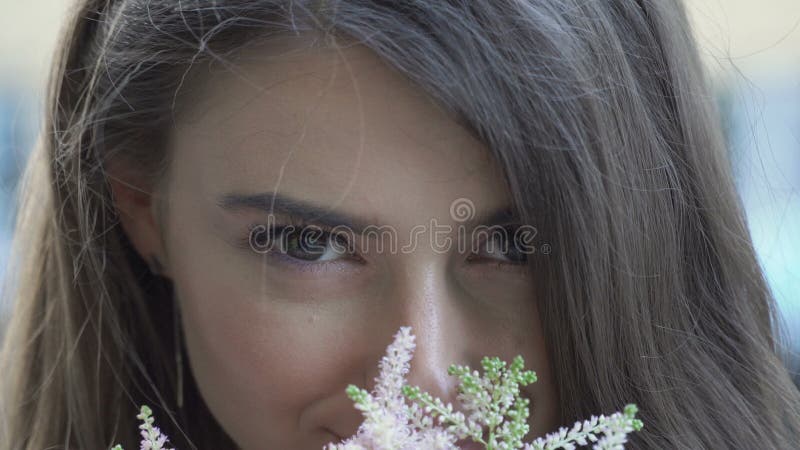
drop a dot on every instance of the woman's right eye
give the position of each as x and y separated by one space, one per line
307 244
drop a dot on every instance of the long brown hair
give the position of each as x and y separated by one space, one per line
600 115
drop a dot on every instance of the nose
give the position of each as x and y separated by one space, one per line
425 299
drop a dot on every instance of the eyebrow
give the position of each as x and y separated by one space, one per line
276 203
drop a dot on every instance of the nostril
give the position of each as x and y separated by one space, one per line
335 437
468 444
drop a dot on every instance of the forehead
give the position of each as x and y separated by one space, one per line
329 124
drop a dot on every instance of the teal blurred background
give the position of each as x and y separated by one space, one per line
751 50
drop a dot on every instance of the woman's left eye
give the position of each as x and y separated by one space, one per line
502 247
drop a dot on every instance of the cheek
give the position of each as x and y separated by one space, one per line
544 407
257 358
251 338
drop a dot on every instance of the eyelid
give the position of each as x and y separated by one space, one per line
278 222
510 229
277 227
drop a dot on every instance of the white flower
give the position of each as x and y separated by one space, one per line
390 423
496 415
152 438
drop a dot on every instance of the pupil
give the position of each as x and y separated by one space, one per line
306 244
512 251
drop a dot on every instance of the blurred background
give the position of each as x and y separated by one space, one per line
751 49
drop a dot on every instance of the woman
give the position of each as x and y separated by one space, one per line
181 137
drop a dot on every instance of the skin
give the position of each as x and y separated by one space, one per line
272 344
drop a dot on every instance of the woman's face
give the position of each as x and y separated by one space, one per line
274 338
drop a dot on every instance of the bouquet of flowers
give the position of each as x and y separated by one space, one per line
496 413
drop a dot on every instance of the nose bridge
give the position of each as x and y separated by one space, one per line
423 299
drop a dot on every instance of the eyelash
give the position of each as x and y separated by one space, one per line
326 233
510 231
298 225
